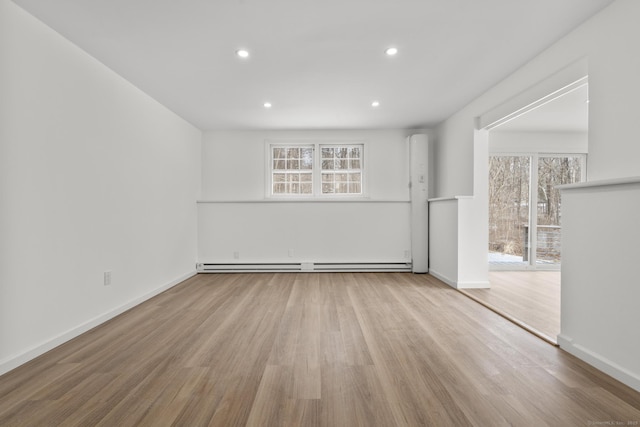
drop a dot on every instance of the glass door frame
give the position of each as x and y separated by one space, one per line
532 240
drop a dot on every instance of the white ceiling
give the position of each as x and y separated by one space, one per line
320 63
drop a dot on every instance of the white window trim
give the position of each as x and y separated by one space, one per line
317 169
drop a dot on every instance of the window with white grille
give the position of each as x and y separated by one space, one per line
292 170
341 169
297 170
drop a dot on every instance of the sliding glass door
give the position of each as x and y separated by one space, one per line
509 180
525 225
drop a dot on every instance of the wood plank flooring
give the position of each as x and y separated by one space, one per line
531 297
311 349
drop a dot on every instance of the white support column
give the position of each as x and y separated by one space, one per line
419 170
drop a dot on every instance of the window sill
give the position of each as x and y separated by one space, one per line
309 200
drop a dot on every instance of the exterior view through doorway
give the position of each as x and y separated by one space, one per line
524 225
531 150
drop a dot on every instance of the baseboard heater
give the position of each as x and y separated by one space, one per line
302 267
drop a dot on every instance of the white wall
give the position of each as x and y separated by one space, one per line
605 44
321 232
538 142
600 305
234 170
94 176
443 240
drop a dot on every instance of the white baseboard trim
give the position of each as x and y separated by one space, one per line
13 362
459 285
474 285
443 278
600 362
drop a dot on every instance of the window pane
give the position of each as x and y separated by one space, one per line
341 187
341 152
279 188
306 153
327 153
354 164
327 164
327 188
307 160
341 177
355 177
509 209
306 188
279 153
552 171
288 161
354 152
327 177
354 188
342 164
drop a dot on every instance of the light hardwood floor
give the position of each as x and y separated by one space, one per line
311 349
530 297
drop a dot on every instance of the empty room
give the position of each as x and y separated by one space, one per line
230 213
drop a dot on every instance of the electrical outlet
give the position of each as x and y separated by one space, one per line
107 278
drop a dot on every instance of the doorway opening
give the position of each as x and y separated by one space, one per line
532 151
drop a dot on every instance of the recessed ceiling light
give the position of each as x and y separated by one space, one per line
267 105
391 51
242 53
375 104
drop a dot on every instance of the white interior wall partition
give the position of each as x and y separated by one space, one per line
456 254
443 240
600 286
458 228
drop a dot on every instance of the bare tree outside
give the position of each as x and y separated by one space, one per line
553 171
509 204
